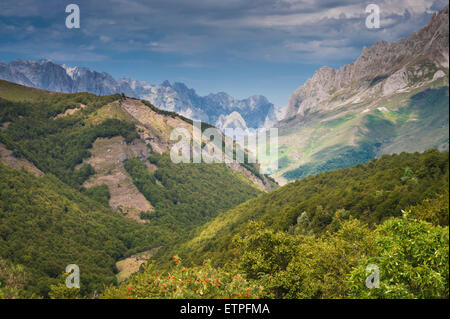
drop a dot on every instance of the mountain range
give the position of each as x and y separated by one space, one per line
381 70
392 99
218 109
87 179
94 177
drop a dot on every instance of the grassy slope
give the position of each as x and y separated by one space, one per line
414 121
370 192
16 92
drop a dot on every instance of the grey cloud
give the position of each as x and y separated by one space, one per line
277 30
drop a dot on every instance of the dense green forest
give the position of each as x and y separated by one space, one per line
186 195
49 222
314 239
58 145
318 204
46 225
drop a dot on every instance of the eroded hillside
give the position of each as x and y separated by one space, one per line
85 141
108 154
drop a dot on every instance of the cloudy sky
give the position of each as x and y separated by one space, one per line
242 47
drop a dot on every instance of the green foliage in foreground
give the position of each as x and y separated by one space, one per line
303 266
319 204
412 256
46 225
203 282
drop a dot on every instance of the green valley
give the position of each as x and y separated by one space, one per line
315 237
408 122
113 187
74 160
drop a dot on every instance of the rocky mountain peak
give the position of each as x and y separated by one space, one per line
166 83
176 97
234 121
389 65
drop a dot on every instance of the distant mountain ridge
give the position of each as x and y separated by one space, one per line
391 66
256 110
392 99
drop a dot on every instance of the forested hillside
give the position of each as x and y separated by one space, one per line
57 193
317 205
187 195
314 239
57 145
46 225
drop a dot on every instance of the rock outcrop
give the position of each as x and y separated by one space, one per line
382 69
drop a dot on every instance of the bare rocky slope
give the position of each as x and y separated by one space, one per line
108 155
392 99
154 129
381 70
